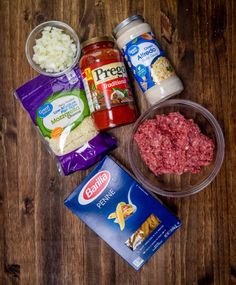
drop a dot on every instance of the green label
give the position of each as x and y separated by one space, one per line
61 110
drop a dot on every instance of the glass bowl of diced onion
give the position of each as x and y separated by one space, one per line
57 53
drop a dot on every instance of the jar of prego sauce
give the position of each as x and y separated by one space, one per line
152 70
106 84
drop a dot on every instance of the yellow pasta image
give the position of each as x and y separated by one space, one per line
122 212
145 228
161 69
143 232
120 217
153 222
112 216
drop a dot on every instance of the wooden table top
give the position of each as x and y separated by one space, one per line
41 241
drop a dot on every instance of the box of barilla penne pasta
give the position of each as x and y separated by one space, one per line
126 216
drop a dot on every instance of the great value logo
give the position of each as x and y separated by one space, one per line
133 50
45 110
94 187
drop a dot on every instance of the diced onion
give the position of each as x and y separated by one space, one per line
54 51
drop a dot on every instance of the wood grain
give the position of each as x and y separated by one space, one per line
41 242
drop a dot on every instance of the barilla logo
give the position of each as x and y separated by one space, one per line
94 187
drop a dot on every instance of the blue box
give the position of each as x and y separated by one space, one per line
113 204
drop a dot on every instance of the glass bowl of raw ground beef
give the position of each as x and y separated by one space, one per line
176 148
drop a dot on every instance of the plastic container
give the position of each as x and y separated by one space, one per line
186 184
37 32
106 84
152 70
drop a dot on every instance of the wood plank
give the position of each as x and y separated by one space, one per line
41 242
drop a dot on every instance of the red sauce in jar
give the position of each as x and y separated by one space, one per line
106 84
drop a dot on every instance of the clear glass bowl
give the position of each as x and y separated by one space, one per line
36 33
173 185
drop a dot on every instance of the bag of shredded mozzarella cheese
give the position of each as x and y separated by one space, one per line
59 109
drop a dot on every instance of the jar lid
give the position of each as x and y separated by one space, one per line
96 40
125 23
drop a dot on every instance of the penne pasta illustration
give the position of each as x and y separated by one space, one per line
122 212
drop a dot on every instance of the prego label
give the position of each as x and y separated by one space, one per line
109 72
107 85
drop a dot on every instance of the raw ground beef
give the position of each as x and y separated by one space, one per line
172 144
